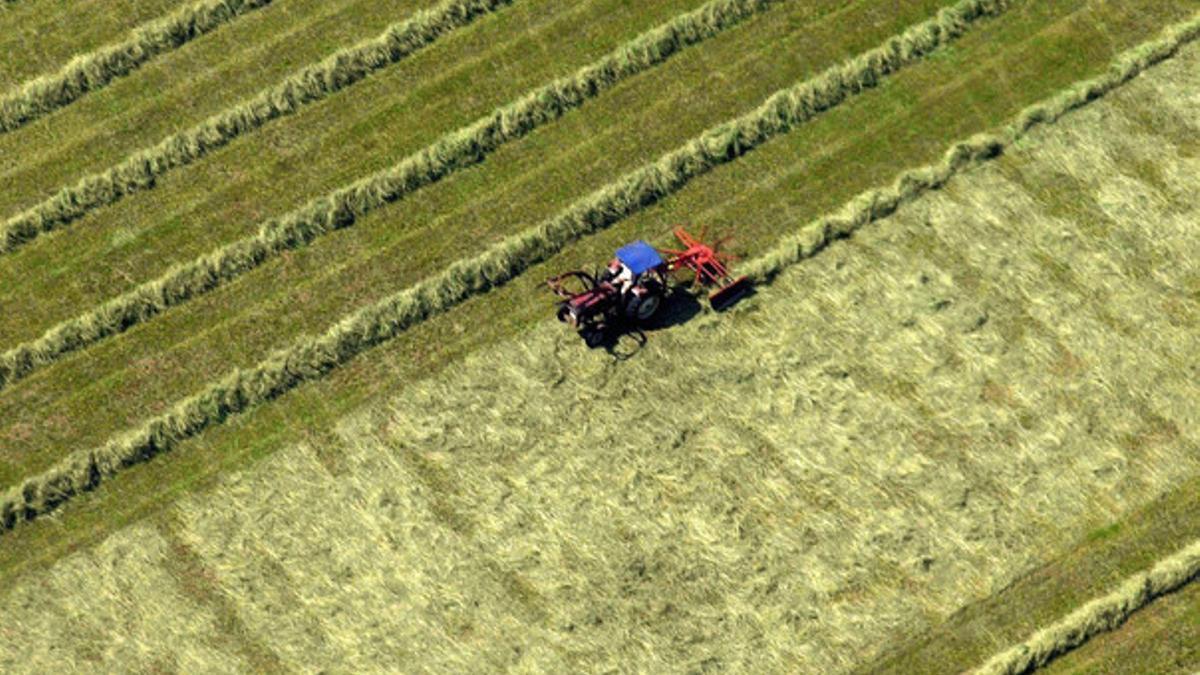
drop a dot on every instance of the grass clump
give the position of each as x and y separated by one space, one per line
343 207
307 85
311 357
89 72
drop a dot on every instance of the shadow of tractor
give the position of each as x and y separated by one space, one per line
625 339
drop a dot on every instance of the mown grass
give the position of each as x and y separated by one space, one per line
457 150
279 168
1162 638
260 329
1058 587
859 462
117 625
39 37
92 71
445 338
343 68
181 89
312 357
401 262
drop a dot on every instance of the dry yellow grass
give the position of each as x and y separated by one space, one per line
114 608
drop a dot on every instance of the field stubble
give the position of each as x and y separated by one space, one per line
342 208
89 72
311 83
309 358
902 424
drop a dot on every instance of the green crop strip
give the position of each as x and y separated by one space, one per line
341 208
1100 615
310 358
93 71
875 204
311 83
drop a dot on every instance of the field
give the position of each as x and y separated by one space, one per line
281 390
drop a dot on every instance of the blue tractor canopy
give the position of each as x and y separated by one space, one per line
639 257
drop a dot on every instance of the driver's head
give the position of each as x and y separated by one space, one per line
614 265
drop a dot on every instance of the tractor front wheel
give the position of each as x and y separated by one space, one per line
592 337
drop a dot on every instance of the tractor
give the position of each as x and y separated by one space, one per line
631 289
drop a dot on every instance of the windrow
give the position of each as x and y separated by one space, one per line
1098 616
308 358
341 208
92 71
879 203
307 85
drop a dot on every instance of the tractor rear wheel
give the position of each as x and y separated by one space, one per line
644 301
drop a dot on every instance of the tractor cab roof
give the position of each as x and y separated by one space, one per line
639 256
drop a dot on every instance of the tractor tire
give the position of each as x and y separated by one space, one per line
592 337
643 307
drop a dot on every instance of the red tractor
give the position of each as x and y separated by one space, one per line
631 289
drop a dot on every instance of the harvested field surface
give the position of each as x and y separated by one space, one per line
92 71
941 424
40 37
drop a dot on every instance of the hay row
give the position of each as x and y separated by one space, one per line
89 72
879 203
1098 616
312 83
311 357
341 208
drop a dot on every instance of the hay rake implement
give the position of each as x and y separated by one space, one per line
632 288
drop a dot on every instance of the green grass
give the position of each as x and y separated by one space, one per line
40 37
857 469
783 184
1106 532
330 297
444 338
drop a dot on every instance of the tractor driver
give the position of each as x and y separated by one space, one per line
619 275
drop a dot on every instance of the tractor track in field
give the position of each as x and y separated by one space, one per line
310 84
1101 615
94 70
341 208
310 358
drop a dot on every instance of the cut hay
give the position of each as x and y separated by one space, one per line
311 83
112 608
806 486
343 207
311 357
1098 616
93 71
875 204
848 457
